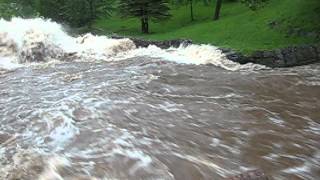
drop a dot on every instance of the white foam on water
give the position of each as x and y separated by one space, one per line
17 27
200 160
52 167
194 54
41 40
9 63
102 47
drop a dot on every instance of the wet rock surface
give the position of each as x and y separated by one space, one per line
286 57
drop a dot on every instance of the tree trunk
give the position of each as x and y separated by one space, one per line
191 10
145 25
146 28
142 25
218 9
91 8
144 21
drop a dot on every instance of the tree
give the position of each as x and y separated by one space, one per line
191 10
77 13
218 9
190 4
20 8
145 10
97 8
52 9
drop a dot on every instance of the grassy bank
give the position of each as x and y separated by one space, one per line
239 28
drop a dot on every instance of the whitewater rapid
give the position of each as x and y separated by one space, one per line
91 107
32 41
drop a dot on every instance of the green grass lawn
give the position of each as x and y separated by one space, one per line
239 28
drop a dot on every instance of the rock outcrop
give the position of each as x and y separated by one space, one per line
285 57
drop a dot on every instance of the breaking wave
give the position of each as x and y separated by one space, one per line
25 41
194 54
39 40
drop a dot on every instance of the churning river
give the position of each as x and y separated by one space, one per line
98 108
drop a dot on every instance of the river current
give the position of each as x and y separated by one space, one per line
114 111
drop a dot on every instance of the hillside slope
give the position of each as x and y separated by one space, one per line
278 24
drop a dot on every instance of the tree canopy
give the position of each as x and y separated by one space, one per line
75 12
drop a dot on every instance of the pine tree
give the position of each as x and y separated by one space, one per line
145 10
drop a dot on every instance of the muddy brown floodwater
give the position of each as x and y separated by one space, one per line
144 118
